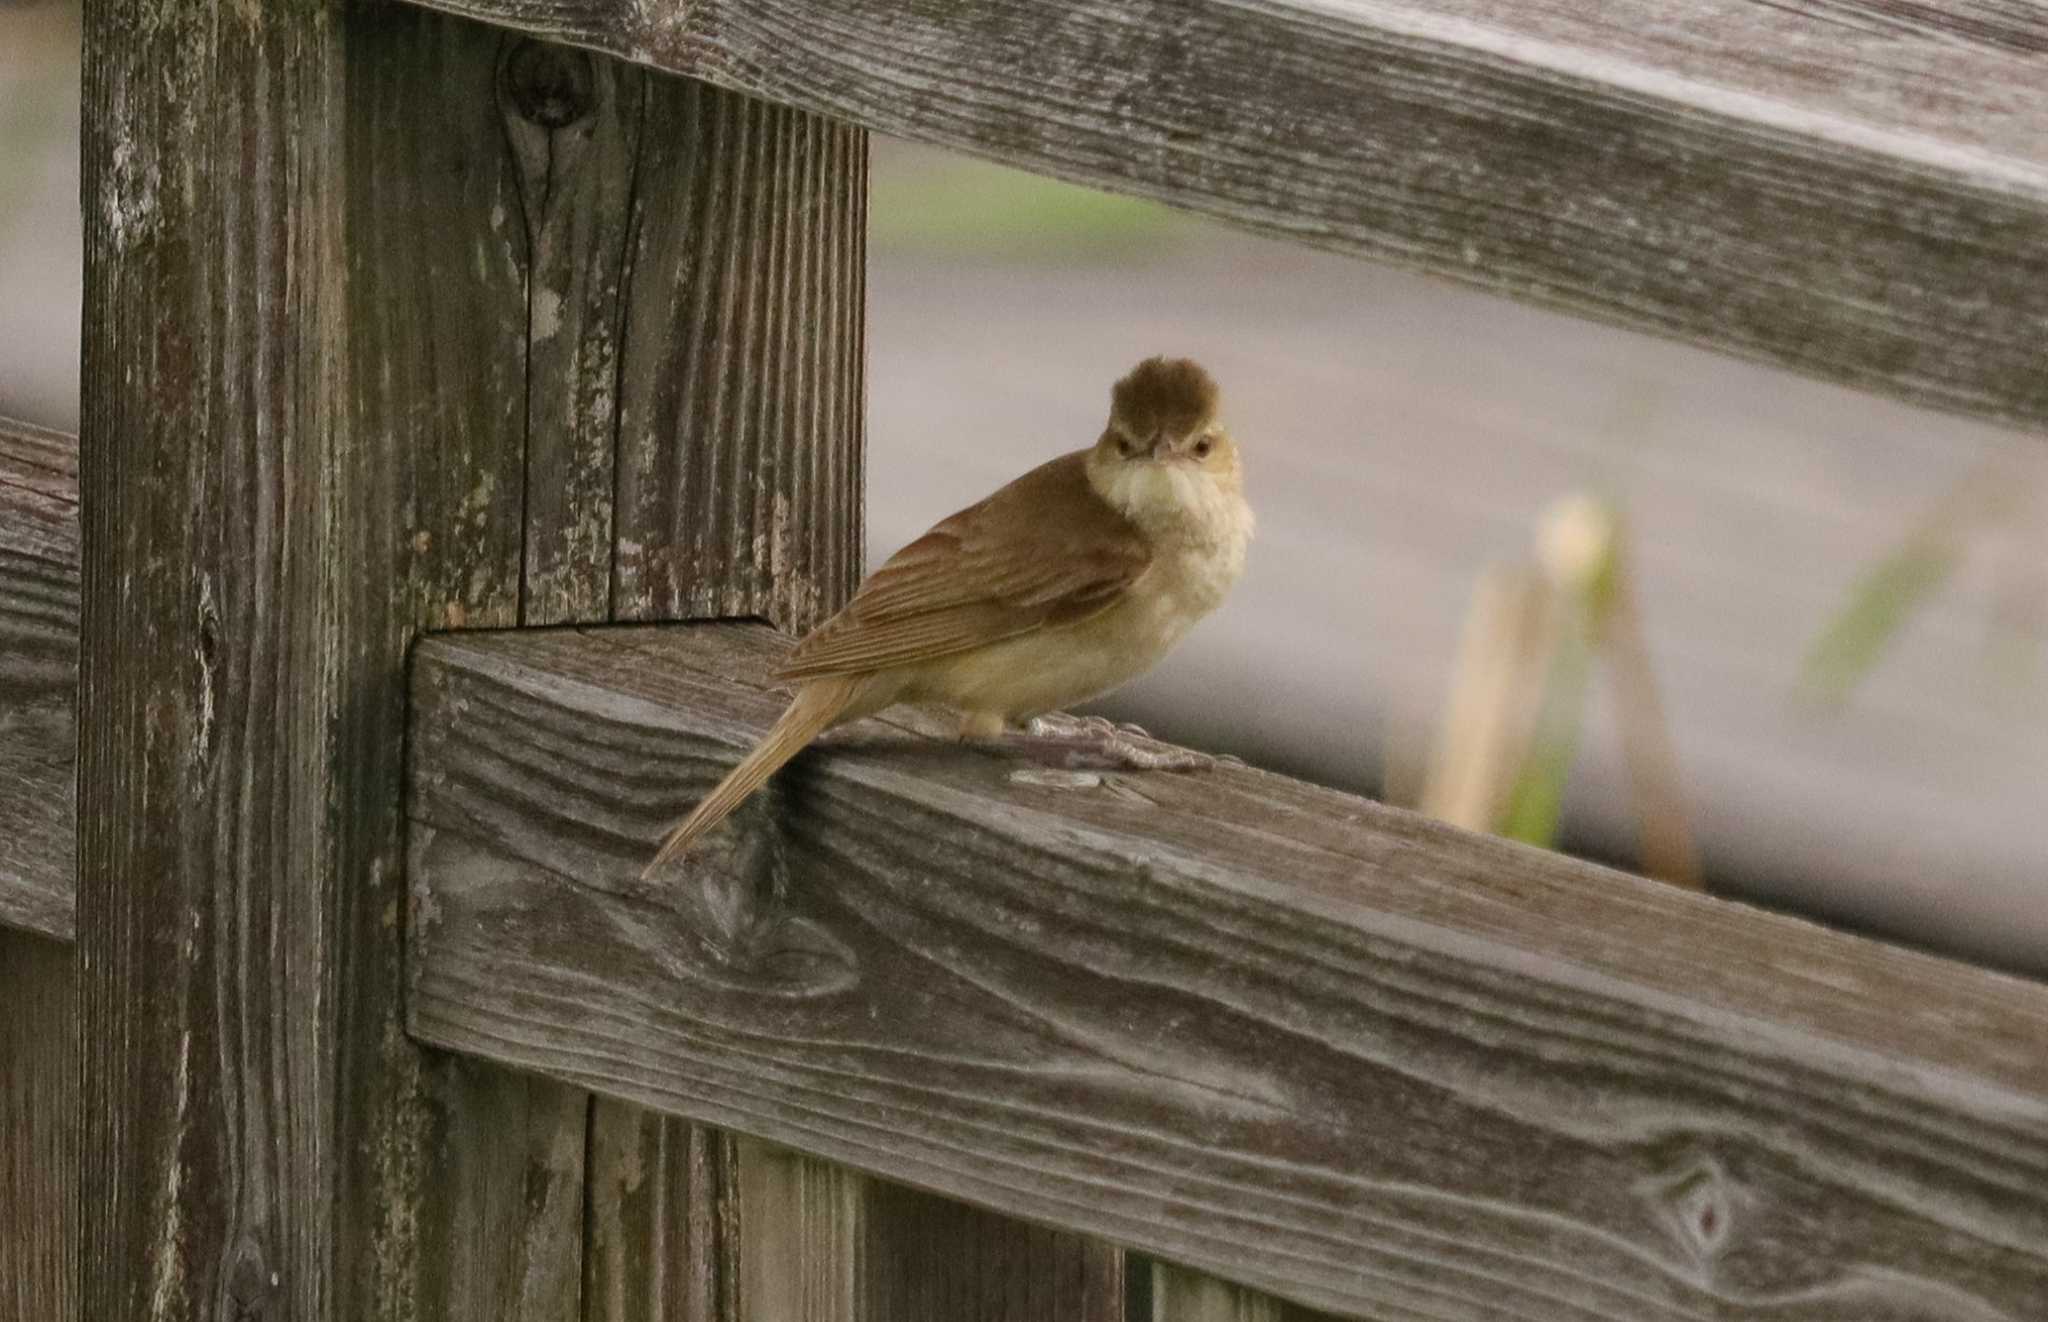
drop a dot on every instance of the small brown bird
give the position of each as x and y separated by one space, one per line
1072 579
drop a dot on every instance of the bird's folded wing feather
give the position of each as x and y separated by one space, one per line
1043 551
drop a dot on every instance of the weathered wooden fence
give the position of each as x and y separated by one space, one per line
340 998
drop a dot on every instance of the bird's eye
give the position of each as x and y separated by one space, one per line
1203 446
1125 447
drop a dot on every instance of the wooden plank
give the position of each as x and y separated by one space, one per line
786 292
38 676
39 1117
501 1236
477 1179
742 381
675 356
210 855
1180 1295
800 1242
289 474
934 1260
663 1234
1304 1042
1868 203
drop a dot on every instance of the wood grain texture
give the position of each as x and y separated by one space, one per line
486 333
303 442
501 1235
473 1176
930 1259
1304 1042
38 676
1858 190
662 1231
1166 1293
800 1243
39 1118
1180 1295
741 380
212 685
696 319
572 121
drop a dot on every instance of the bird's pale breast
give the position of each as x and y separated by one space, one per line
1055 668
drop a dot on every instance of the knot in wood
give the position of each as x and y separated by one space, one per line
253 1288
549 85
1699 1203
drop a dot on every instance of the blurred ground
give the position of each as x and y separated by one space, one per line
1401 433
40 234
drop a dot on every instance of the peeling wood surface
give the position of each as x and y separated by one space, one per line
741 377
38 676
1298 1040
1857 190
476 1174
39 1118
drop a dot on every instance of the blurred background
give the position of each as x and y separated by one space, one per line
1842 601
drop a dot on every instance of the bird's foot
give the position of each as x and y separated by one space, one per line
1093 743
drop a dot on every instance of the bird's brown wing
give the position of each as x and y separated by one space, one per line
1044 550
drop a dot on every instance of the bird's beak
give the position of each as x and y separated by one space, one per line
1159 447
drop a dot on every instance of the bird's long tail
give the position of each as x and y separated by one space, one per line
816 706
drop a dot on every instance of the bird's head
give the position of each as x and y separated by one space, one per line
1163 456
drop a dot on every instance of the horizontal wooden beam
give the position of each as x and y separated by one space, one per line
1322 1047
38 676
1856 190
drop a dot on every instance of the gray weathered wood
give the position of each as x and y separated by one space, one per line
487 1185
1318 1046
218 822
1856 190
665 220
741 381
501 1232
663 1240
800 1237
38 675
288 474
39 1117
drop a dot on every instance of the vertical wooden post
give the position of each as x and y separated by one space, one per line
465 1182
932 1260
304 440
399 323
225 850
737 413
1181 1295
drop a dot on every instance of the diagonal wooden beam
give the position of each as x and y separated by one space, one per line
38 676
1322 1047
1857 190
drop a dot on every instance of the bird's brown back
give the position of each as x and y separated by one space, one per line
1043 551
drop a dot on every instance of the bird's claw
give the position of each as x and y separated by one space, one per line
1096 743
